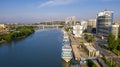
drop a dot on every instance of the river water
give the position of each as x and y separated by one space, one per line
41 49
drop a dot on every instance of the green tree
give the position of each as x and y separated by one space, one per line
67 29
89 38
86 36
112 43
90 63
17 32
8 37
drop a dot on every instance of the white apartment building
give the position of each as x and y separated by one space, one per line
84 24
77 30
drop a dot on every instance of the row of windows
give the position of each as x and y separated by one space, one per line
104 16
103 28
103 31
103 20
103 24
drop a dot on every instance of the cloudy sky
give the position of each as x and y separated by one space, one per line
31 11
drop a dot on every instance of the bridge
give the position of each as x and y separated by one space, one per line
40 25
49 26
44 27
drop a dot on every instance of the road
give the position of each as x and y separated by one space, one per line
104 51
107 53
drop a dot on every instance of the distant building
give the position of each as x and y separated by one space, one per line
117 23
2 26
84 24
115 30
70 21
91 25
104 24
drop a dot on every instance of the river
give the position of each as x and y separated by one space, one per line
41 49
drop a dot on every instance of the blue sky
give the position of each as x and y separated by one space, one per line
28 11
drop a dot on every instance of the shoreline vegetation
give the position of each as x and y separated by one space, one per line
17 33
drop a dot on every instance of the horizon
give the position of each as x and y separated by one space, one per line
33 11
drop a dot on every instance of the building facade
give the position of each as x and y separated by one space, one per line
70 21
104 24
84 24
2 26
115 30
91 51
77 30
91 25
117 23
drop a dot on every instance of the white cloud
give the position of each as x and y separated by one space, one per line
57 2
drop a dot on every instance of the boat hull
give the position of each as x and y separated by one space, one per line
67 59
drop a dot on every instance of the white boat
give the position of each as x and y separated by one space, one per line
66 48
65 39
65 36
66 52
66 42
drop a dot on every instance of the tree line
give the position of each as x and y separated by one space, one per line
17 32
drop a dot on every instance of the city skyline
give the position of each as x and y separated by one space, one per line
32 11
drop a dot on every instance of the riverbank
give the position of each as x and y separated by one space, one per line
17 33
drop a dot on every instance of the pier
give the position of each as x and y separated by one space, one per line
75 48
76 52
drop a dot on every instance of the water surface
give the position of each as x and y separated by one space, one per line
41 49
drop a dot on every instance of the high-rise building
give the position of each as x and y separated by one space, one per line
104 24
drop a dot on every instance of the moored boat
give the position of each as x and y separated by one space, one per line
67 53
66 48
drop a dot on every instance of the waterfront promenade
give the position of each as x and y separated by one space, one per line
78 52
75 46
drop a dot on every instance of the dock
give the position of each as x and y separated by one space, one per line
75 47
76 52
